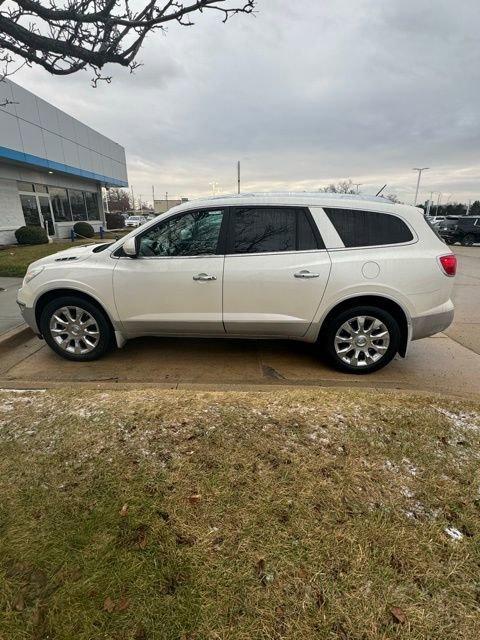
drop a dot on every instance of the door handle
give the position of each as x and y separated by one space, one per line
306 274
203 277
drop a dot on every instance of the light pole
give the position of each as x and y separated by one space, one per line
419 169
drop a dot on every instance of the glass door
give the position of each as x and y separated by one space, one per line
30 209
46 211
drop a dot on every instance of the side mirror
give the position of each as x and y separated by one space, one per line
130 247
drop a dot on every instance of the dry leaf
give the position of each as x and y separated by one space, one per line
19 603
398 615
194 498
123 604
124 510
109 605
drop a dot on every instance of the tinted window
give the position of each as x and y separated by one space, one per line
306 237
91 201
77 204
368 228
60 204
191 234
267 229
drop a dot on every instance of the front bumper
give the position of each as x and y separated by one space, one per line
28 314
428 325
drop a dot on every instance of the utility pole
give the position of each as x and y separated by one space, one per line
468 208
419 169
238 177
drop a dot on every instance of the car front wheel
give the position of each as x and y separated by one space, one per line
75 328
362 339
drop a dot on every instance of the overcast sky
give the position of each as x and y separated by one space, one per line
305 93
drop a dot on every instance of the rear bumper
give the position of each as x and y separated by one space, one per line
428 325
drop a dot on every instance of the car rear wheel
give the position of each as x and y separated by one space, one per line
468 240
362 339
75 328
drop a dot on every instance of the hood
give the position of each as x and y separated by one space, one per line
75 254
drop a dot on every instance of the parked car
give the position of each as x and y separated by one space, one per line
467 231
135 221
447 229
435 219
358 277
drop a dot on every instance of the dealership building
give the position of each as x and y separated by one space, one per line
52 166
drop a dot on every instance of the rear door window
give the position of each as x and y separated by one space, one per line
272 229
358 228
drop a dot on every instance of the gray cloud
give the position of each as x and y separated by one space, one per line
302 94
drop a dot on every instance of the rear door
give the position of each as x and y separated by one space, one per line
276 270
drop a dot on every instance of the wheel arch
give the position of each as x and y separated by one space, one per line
387 304
50 295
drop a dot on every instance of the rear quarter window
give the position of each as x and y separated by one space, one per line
358 228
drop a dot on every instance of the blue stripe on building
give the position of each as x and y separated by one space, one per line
36 161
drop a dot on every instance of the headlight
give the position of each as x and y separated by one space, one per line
31 274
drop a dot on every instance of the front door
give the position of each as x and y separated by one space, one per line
276 271
174 286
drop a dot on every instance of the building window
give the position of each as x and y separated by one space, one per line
30 210
60 204
41 188
77 203
25 186
91 200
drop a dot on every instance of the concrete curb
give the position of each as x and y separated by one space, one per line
16 335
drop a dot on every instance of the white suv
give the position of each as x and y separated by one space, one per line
359 277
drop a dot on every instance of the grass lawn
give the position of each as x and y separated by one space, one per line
167 515
15 259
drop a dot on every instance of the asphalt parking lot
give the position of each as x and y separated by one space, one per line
446 363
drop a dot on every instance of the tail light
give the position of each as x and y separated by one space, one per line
449 264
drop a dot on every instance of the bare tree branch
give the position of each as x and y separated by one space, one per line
66 36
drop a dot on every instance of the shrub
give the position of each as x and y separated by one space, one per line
115 220
31 235
84 229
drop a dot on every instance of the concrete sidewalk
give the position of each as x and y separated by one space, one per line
10 316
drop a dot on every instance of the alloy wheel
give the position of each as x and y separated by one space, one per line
74 330
361 341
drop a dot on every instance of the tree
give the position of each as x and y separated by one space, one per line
66 36
475 208
344 186
118 200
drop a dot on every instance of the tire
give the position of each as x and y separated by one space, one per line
86 334
468 240
370 354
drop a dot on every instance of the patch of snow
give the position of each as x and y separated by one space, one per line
469 421
453 533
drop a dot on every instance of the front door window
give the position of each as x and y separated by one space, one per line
195 233
30 210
